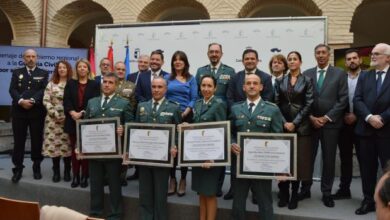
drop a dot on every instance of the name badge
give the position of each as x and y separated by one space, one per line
115 109
38 77
166 114
264 118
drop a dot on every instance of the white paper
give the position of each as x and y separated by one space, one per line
149 144
269 156
204 144
98 138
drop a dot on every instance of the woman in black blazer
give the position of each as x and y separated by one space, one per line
294 96
76 95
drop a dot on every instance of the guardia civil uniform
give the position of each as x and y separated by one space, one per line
205 181
107 169
223 75
265 117
153 181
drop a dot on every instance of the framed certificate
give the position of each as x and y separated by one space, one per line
149 144
204 142
267 155
97 138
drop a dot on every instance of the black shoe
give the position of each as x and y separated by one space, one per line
304 195
67 175
219 193
84 182
76 181
254 199
365 208
293 204
17 175
37 175
123 182
328 201
283 199
133 177
342 194
56 177
228 195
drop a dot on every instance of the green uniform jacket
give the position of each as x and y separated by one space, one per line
213 111
223 76
167 113
116 107
265 118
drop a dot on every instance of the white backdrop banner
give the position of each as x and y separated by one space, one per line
267 35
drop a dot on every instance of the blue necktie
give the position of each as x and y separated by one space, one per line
379 81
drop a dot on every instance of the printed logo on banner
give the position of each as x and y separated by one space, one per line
240 35
273 34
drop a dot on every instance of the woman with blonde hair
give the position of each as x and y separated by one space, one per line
78 91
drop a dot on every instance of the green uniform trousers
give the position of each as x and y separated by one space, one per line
153 189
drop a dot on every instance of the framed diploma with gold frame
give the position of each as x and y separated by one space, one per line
267 156
149 144
97 138
204 142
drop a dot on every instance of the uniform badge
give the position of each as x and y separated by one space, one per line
127 92
142 110
21 76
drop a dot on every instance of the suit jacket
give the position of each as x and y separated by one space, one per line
132 77
116 107
71 101
266 117
333 97
295 105
366 102
98 79
26 86
236 94
223 76
143 91
215 110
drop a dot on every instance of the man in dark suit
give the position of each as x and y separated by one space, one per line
372 107
143 66
250 59
26 89
143 90
109 104
235 93
105 67
330 100
347 138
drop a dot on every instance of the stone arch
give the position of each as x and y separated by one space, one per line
23 28
73 25
369 23
279 8
6 35
158 10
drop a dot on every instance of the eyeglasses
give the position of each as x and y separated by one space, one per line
376 54
105 64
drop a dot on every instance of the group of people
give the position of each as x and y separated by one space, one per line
325 106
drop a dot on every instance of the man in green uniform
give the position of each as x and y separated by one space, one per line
222 73
126 90
107 105
153 181
253 115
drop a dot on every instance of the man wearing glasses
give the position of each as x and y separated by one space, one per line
105 67
372 107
